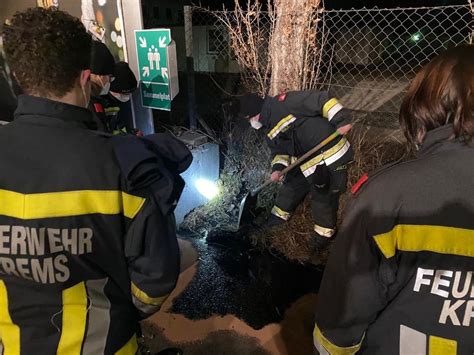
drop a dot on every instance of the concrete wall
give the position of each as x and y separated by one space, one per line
205 166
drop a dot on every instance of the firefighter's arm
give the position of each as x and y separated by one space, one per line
320 103
153 258
354 287
150 243
280 158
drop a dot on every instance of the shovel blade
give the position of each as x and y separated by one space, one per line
247 209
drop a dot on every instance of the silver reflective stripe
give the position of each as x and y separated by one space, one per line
1 347
336 156
98 318
412 342
334 110
145 308
320 348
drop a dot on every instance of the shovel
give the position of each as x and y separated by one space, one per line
247 206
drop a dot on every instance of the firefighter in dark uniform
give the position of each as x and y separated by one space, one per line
102 75
400 278
117 101
294 123
87 235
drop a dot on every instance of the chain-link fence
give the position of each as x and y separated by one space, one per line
367 56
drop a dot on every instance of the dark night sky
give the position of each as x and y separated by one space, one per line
344 4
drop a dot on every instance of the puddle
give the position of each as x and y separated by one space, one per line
234 278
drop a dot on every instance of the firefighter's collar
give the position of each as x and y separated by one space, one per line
38 106
437 137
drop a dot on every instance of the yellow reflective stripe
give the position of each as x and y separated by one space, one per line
131 204
130 348
437 239
325 155
281 159
329 105
144 298
112 109
333 349
277 211
442 346
281 126
9 332
74 320
68 203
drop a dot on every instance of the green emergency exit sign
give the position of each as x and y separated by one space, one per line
156 53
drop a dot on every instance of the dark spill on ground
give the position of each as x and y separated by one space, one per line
233 278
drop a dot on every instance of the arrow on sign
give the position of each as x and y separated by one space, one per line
162 42
142 42
146 71
164 73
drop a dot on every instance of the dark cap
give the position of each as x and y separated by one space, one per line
250 105
102 61
125 81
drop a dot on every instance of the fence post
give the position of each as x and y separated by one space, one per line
188 30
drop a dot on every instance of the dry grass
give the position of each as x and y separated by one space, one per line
247 165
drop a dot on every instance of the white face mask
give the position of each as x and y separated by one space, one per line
105 88
256 124
121 97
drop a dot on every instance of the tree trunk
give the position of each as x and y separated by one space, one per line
294 22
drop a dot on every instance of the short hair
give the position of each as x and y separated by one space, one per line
442 92
46 49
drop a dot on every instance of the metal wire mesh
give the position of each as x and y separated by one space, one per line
368 56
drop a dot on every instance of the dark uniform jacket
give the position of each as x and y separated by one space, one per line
87 235
400 277
296 122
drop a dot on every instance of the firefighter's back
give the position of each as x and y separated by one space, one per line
62 228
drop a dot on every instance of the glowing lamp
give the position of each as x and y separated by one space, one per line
207 188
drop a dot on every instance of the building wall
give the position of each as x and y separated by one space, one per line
158 13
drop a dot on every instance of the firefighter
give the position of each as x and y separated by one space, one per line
87 235
117 100
102 75
400 276
293 123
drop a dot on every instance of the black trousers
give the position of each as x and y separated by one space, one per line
326 185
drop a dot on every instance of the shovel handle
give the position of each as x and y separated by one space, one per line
298 161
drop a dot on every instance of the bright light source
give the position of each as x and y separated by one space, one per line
207 188
416 37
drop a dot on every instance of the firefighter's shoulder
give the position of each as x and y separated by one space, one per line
380 176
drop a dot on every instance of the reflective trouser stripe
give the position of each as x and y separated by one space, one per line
442 346
130 348
9 332
74 320
412 342
98 322
323 231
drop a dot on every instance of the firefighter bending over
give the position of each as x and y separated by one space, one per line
400 277
293 124
87 236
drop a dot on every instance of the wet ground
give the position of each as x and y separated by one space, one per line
235 299
234 278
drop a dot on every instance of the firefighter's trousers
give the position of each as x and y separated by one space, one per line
325 185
